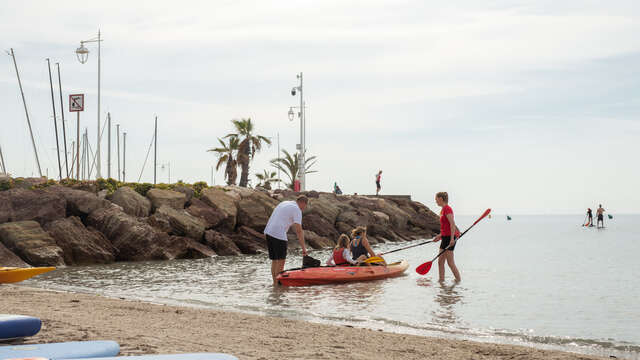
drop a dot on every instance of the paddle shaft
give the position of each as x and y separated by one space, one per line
405 248
461 235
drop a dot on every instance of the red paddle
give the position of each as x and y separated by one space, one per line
424 268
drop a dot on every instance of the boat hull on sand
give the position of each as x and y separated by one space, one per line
14 274
340 274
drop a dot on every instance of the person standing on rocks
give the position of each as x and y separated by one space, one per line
286 214
378 179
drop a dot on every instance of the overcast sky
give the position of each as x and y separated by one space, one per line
522 106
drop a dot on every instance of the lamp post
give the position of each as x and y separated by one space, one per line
167 165
83 55
300 147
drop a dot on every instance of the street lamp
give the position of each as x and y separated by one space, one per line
83 55
301 147
162 167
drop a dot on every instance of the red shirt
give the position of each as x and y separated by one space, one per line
445 226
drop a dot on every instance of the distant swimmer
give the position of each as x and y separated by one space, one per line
600 213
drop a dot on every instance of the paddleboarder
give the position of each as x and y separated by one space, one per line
448 235
600 213
286 214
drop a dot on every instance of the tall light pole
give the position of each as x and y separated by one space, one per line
300 147
83 55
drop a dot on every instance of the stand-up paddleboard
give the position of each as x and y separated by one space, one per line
14 274
18 326
65 350
195 356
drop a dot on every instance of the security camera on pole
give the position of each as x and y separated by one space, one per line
300 147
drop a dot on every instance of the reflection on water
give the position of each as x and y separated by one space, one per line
447 297
570 304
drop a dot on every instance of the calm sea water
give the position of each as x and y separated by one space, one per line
543 281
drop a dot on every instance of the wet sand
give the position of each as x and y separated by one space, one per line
146 328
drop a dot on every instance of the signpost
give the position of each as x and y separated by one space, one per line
76 104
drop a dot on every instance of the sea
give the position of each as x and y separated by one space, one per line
537 280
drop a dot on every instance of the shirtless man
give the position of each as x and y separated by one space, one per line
600 213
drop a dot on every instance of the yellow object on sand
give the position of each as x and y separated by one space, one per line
14 274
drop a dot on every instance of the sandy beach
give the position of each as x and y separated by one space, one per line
145 328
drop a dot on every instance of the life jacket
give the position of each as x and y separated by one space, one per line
338 259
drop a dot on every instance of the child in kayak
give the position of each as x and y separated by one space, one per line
341 254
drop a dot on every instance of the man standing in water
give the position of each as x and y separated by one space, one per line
287 213
378 179
600 213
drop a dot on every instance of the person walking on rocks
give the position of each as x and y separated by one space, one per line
378 179
286 214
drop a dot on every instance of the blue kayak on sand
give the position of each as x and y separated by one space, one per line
65 350
18 326
196 356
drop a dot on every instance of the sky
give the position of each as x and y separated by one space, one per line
525 107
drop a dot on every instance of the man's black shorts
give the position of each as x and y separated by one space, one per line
277 248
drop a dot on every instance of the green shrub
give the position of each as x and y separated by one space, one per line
198 187
143 188
6 184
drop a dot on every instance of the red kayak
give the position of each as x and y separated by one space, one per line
340 274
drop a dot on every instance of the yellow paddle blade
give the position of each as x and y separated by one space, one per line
374 259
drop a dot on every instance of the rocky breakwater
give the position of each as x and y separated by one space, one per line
58 225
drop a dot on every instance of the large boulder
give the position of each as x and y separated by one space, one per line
316 241
320 226
242 192
185 248
254 210
187 191
8 258
131 202
211 216
134 239
324 207
218 199
382 233
27 240
81 245
356 217
247 244
221 243
79 203
181 222
170 198
6 209
37 205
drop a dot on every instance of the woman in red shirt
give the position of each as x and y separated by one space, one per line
448 244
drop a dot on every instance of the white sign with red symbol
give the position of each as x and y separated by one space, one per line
76 102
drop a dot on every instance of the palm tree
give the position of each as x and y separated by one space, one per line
248 145
226 153
266 178
289 165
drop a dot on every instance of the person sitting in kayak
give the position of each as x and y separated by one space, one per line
360 244
341 254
